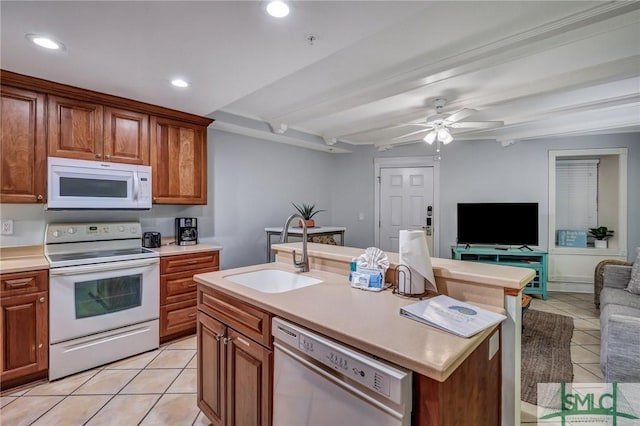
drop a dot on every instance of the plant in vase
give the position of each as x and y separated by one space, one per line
307 211
601 234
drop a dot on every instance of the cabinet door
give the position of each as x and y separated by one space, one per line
249 377
211 371
75 129
179 161
126 136
22 147
25 337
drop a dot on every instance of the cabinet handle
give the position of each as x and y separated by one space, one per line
40 346
98 155
41 300
226 340
219 337
244 342
192 262
18 283
40 197
192 285
107 156
191 315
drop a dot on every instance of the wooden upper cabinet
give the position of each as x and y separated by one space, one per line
90 131
22 146
126 136
179 162
75 129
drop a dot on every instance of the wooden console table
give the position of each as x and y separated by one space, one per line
316 231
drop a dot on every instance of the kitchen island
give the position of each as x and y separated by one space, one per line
455 379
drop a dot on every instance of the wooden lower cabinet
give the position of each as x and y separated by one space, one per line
24 328
178 291
235 373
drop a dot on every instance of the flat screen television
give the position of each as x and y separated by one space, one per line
498 223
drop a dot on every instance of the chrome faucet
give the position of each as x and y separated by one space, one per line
303 264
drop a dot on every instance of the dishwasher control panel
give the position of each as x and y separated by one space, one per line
378 376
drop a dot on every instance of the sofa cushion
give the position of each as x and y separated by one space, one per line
634 282
627 340
618 296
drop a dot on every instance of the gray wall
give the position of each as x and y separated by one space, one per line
252 183
475 171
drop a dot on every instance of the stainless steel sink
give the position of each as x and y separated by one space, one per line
272 280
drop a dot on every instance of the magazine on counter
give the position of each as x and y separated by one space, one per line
454 316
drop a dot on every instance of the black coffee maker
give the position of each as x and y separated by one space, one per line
186 231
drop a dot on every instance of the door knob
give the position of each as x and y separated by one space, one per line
41 300
40 197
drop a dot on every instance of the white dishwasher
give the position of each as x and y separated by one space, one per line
320 382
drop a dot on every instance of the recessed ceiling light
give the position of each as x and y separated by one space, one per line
178 82
45 42
278 9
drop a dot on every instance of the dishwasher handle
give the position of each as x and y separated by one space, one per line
344 385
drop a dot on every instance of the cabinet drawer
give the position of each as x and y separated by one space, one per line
248 320
24 282
188 262
177 318
179 286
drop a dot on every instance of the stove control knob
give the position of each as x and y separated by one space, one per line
121 229
71 231
56 234
132 229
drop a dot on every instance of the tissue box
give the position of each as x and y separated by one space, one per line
368 279
572 238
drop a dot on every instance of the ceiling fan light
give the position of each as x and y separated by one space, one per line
448 138
442 134
431 136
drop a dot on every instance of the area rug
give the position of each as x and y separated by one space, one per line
546 351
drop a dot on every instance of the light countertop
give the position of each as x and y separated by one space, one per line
32 258
368 321
172 249
481 273
22 259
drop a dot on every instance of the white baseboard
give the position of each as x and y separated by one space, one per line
570 287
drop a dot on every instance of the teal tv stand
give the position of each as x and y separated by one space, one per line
522 258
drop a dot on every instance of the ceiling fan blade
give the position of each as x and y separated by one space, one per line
459 115
477 124
411 134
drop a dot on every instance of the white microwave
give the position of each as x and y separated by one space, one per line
82 184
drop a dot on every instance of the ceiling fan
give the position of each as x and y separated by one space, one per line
438 125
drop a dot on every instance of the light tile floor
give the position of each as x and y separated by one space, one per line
159 387
585 343
154 388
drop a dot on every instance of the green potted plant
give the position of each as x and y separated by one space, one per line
601 234
307 211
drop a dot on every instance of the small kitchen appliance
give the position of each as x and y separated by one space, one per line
90 185
186 231
104 291
151 240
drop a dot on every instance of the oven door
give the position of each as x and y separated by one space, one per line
90 299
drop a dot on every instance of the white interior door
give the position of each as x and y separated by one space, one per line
406 202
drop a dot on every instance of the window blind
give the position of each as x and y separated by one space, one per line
576 194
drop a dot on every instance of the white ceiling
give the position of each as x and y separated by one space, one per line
545 68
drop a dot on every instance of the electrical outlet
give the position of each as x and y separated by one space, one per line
7 227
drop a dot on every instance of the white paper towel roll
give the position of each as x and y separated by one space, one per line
414 253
